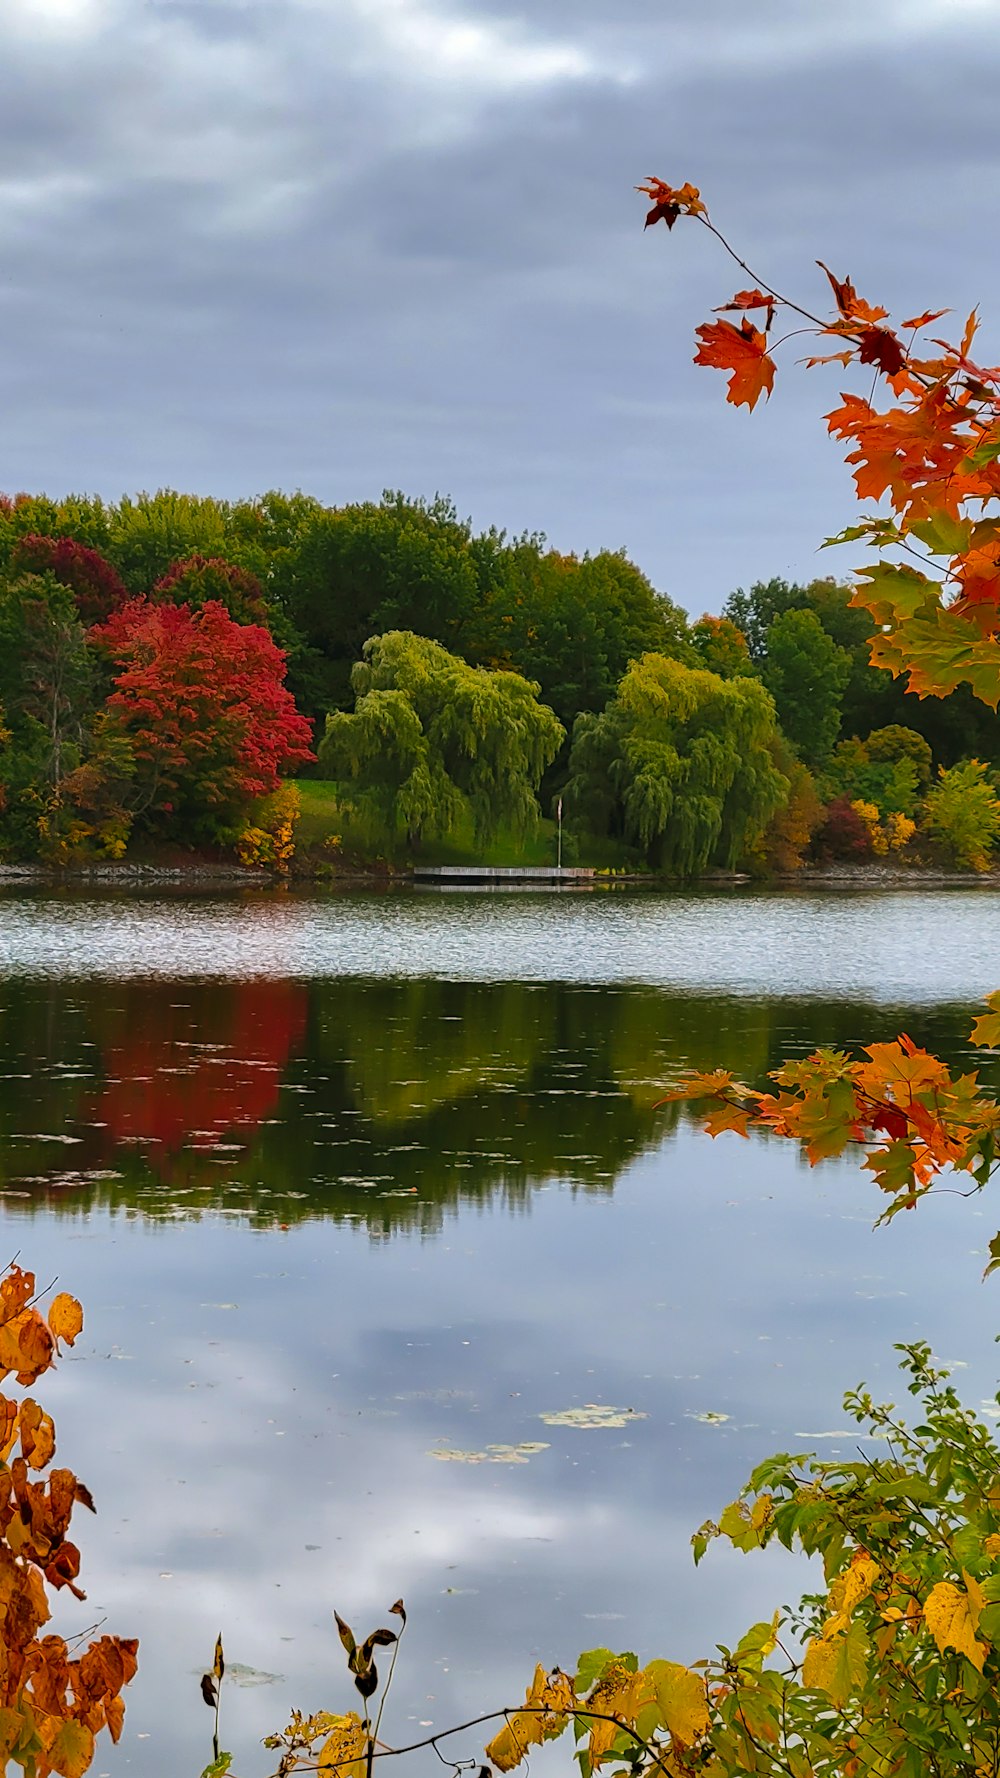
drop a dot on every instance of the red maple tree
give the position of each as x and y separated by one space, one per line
97 587
203 703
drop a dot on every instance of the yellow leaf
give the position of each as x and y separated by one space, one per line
948 1614
38 1434
761 1512
977 1598
550 1696
12 1725
619 1694
682 1699
837 1664
65 1317
992 1544
343 1752
986 1030
847 1591
71 1750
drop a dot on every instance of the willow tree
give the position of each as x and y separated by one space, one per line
680 763
431 737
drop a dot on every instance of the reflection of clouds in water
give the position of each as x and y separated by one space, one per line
910 947
261 1453
316 1400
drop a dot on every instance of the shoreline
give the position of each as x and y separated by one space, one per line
209 874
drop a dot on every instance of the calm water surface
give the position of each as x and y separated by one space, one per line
351 1185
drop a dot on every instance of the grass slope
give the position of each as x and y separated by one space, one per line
322 818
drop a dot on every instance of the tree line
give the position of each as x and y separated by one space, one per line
169 661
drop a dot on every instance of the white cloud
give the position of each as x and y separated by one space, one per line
55 18
441 47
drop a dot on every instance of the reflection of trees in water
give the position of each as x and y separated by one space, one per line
387 1102
180 1076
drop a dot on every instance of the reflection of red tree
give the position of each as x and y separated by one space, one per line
192 1063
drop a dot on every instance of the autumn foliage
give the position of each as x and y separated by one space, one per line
924 438
52 1704
203 704
95 585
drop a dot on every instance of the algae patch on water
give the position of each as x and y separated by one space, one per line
592 1417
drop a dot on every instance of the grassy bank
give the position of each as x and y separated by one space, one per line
323 821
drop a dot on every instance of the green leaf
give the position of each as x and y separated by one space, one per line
590 1667
943 534
219 1767
758 1641
986 451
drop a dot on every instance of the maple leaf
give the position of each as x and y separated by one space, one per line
669 202
709 1085
727 1117
741 350
894 1169
828 358
880 346
925 319
851 305
986 1030
890 1119
745 300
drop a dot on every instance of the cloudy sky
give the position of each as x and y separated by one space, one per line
353 244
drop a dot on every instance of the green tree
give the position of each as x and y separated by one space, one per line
896 742
573 623
45 673
431 736
149 533
82 517
962 813
890 783
871 698
721 647
680 764
360 570
806 674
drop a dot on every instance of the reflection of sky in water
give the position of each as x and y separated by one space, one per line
254 1406
903 946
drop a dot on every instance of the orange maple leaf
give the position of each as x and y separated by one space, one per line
741 350
925 319
851 305
751 299
670 201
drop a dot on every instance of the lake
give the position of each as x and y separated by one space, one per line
355 1188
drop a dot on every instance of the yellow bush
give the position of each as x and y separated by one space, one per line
268 840
899 830
890 834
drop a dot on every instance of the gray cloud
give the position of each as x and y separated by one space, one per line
345 244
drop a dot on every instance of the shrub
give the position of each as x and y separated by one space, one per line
962 813
843 833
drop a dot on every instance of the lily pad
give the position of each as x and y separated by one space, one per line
710 1418
592 1417
491 1454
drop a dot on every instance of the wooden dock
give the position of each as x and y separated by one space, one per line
453 875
